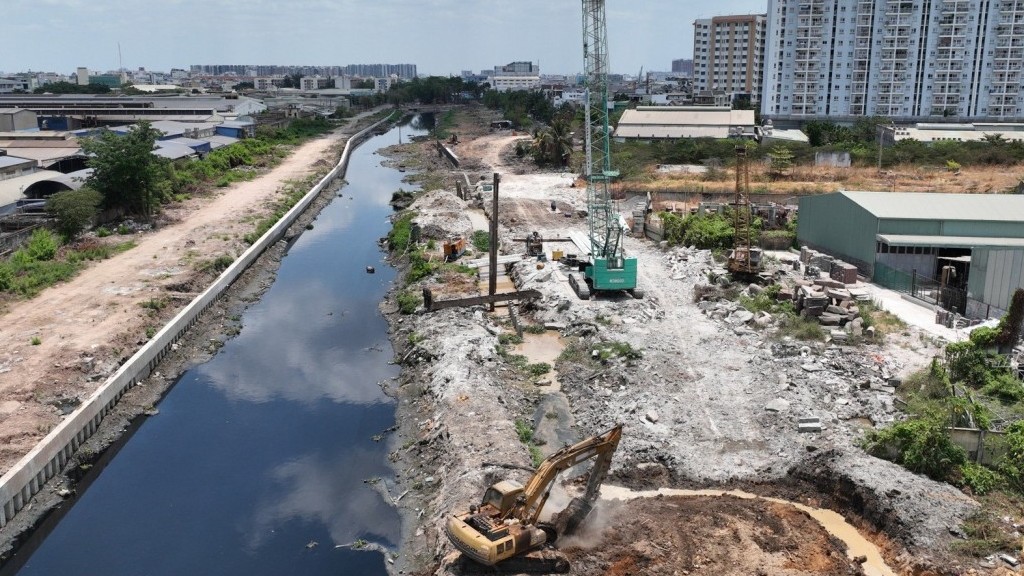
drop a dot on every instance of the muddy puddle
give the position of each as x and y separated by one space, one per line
544 347
832 522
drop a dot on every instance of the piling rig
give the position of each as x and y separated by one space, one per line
606 267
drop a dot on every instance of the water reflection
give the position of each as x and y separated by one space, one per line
312 490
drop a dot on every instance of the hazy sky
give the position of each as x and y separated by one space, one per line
439 36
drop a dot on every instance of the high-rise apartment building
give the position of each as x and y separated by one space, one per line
683 66
896 58
728 54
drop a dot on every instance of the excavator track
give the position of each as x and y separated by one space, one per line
540 561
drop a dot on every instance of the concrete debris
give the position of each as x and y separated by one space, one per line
777 405
652 417
809 424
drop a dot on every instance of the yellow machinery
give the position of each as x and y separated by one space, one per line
505 524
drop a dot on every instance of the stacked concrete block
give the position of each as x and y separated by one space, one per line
843 272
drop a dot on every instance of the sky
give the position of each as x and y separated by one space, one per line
441 37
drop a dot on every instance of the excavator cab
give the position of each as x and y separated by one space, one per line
502 496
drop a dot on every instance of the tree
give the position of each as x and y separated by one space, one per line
243 86
74 210
125 171
781 159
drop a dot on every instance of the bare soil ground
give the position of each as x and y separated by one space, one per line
812 180
709 404
722 536
90 325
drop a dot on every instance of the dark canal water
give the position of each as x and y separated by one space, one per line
264 449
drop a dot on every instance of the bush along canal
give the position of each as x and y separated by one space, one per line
270 458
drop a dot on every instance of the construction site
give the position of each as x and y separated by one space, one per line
712 398
576 397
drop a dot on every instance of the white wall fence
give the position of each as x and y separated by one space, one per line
52 453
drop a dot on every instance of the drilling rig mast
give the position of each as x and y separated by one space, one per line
608 268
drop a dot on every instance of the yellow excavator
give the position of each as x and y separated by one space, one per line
504 528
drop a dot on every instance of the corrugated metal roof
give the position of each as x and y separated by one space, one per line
672 132
681 122
935 206
173 151
217 141
950 241
8 161
13 189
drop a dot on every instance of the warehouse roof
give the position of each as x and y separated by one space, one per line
936 206
681 122
950 241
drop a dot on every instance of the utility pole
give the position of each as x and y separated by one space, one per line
492 280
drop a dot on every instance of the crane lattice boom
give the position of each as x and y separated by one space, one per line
605 234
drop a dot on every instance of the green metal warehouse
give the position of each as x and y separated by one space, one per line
969 245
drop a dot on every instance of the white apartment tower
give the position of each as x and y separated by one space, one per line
728 54
898 58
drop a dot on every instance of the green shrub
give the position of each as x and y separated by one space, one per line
1012 462
481 240
920 445
74 210
400 236
408 301
36 341
538 369
42 245
103 232
1005 387
978 478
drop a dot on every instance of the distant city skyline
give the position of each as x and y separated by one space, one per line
442 37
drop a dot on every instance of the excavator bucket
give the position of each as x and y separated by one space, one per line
568 520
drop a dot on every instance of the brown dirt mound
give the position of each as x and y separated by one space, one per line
713 536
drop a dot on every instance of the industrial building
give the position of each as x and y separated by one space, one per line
655 122
728 54
16 120
71 112
897 58
972 244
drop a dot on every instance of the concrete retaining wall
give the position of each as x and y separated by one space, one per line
446 152
983 447
49 457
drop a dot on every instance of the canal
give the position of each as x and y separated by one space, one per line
268 459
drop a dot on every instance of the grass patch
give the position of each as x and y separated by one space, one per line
616 349
43 262
534 329
507 338
400 236
524 431
800 328
215 266
36 341
984 536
